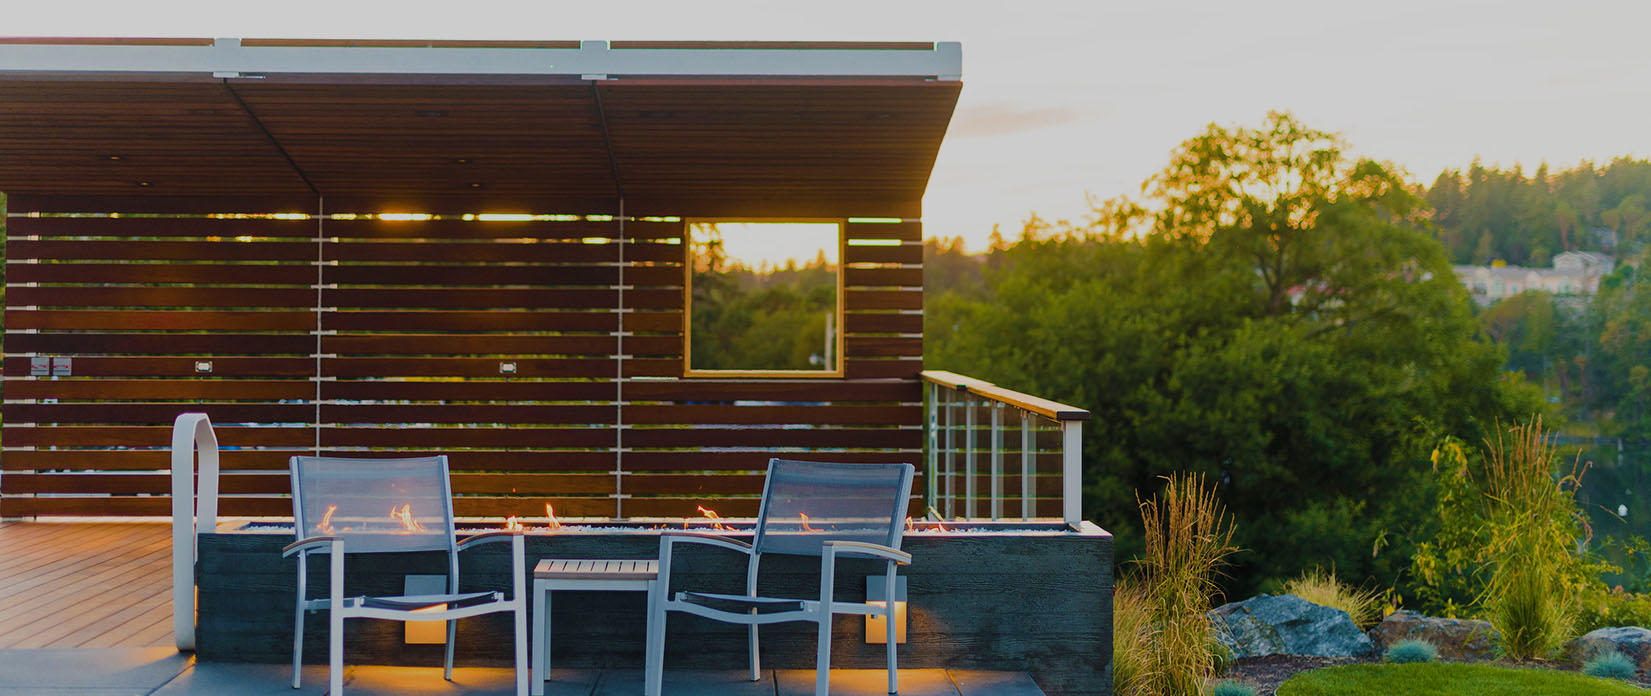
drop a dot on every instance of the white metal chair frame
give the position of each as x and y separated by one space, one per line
819 611
340 607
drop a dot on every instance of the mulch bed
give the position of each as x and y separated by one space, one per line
1266 673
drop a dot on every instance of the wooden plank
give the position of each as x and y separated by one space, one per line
474 390
774 437
346 367
447 438
773 390
153 413
151 320
103 366
882 346
161 343
455 320
58 296
158 389
139 460
882 322
18 249
470 229
161 227
450 344
530 414
859 300
871 368
905 253
296 273
148 436
882 277
454 298
708 414
469 251
471 274
752 460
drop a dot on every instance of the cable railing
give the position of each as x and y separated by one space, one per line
995 453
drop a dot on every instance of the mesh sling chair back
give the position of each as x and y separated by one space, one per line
346 506
808 509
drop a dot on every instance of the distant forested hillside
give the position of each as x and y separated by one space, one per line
1489 214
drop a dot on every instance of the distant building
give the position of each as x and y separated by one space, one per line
1573 273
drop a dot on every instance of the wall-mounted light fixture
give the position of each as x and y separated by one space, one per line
62 367
203 366
507 368
876 630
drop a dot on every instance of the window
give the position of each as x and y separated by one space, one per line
765 298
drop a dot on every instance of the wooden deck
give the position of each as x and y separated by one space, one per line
85 585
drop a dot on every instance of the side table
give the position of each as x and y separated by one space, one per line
601 575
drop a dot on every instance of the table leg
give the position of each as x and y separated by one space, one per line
541 637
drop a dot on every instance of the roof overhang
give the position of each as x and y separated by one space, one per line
674 128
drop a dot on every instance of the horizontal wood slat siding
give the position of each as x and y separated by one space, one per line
509 345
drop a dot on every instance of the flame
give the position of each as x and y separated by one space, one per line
716 520
513 524
550 513
910 527
404 515
326 527
806 526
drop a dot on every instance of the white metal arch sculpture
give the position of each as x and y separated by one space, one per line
191 513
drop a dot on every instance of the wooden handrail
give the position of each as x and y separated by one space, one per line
1041 406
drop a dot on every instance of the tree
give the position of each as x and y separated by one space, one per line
1271 314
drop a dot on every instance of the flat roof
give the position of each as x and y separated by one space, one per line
688 128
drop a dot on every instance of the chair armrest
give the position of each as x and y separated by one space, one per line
685 537
487 538
310 543
861 548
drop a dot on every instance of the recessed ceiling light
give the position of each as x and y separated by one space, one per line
144 184
462 160
432 114
474 184
113 157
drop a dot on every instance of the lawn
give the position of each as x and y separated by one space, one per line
1445 679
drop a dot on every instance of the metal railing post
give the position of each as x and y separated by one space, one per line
951 453
932 468
1072 471
997 460
192 513
1027 463
969 447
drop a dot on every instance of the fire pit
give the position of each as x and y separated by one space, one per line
1021 596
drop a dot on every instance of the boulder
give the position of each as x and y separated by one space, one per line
1287 625
1633 641
1456 639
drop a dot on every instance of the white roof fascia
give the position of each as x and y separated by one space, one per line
592 60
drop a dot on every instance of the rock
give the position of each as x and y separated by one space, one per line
1456 639
1633 641
1287 625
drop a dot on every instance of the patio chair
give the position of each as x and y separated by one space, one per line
354 506
808 509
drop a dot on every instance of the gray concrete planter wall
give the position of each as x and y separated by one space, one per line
1020 597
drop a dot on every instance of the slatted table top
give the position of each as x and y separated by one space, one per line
564 569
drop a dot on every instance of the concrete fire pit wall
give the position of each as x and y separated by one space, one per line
1035 602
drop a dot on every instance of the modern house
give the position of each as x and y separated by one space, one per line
486 250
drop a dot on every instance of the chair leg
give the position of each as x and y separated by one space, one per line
335 653
521 645
447 663
653 664
756 659
822 660
298 644
889 605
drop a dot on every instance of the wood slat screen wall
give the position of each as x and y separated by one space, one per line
390 338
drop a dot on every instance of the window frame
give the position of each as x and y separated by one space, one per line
840 361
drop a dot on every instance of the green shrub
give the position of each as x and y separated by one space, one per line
1132 639
1188 537
1611 665
1321 587
1406 651
1534 522
1228 687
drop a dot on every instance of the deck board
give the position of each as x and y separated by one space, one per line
85 585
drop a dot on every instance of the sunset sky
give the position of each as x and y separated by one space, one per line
1067 99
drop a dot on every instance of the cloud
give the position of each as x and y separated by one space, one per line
1005 118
